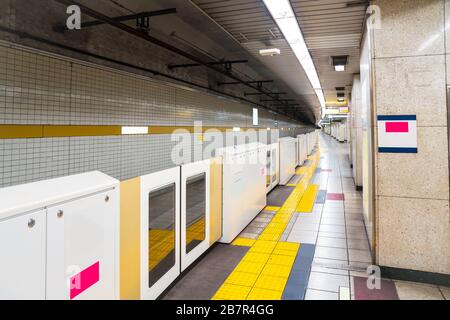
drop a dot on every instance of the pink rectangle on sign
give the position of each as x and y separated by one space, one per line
397 127
84 280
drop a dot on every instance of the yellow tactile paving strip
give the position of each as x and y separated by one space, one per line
307 202
263 272
272 208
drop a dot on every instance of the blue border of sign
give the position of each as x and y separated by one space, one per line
396 150
398 117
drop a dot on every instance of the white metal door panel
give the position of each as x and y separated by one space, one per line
81 248
244 196
296 153
151 183
287 160
188 171
22 257
300 147
274 172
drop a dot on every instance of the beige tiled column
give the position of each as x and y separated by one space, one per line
412 190
356 131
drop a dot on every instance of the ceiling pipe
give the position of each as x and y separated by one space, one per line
110 21
132 66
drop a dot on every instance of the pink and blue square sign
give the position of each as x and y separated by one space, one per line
397 134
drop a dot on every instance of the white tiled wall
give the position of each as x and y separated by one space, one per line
40 89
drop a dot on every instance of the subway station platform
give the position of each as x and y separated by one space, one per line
238 150
309 243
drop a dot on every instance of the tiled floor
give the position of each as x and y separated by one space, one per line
418 291
309 243
335 226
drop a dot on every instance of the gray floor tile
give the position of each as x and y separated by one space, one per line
332 242
262 220
360 255
266 214
258 224
445 292
278 196
333 221
304 237
255 230
359 235
359 265
313 220
312 294
355 223
339 235
327 282
415 291
333 210
206 277
333 215
331 253
306 226
249 235
358 244
331 263
355 229
332 228
318 268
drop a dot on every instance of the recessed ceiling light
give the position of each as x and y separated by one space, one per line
340 100
270 52
339 62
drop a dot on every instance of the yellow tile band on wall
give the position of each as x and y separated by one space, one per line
53 131
81 131
130 235
21 131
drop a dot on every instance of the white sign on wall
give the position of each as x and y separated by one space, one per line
397 134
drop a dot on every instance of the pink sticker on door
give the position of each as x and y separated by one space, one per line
84 280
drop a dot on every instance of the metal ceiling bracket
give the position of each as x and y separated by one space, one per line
227 64
258 83
260 93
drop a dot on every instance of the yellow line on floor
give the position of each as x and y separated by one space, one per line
272 208
307 202
263 272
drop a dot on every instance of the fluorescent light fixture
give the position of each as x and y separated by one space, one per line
283 15
279 9
270 52
255 117
268 129
340 100
339 68
236 129
134 130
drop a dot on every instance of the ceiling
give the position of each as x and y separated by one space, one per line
238 29
330 27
